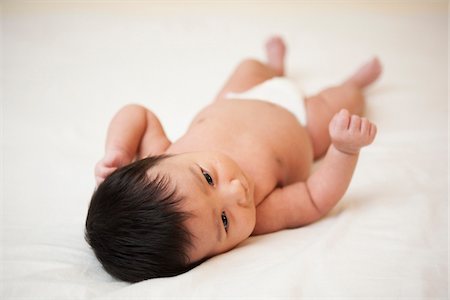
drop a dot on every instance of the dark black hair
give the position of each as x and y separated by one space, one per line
135 226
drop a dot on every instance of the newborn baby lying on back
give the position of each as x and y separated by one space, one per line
242 168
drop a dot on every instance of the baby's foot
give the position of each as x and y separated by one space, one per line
276 51
366 74
349 133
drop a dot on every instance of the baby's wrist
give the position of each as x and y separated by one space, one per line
347 150
120 153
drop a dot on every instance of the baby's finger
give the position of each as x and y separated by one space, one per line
365 126
343 119
104 172
373 130
355 124
110 160
99 180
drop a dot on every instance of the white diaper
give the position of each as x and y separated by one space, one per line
280 91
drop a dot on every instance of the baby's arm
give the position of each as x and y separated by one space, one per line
134 131
302 203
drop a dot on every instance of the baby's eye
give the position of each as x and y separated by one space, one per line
208 178
225 221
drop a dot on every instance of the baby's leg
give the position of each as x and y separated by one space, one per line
349 95
251 72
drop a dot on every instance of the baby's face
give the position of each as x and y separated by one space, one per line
220 197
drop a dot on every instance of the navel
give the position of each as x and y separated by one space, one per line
279 161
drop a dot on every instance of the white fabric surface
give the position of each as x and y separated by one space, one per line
67 67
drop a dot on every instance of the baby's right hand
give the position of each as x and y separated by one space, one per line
349 133
112 160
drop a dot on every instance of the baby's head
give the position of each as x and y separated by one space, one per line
163 215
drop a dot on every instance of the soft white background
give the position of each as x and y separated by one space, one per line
68 66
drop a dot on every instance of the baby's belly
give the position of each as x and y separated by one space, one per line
259 131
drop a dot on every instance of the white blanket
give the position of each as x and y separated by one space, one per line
68 66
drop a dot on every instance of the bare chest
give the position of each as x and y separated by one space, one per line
266 141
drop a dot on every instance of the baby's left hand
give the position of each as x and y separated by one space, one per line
112 160
349 133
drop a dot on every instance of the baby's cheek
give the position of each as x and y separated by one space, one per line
251 221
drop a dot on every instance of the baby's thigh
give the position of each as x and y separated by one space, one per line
248 74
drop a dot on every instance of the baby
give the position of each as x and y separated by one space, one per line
242 168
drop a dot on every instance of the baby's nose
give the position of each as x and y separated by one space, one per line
239 193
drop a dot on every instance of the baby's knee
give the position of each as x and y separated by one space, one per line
251 65
344 96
